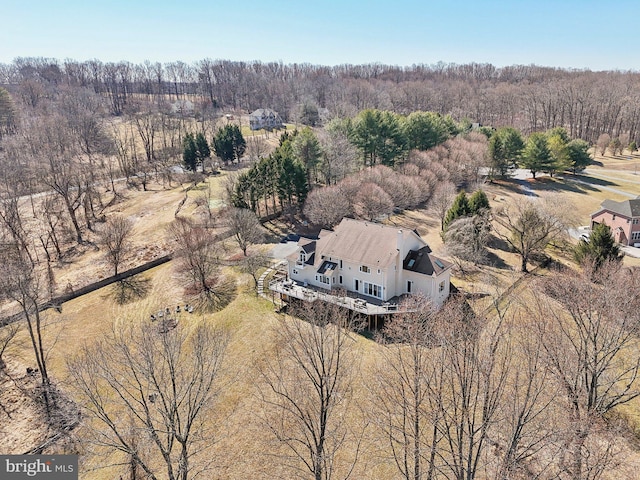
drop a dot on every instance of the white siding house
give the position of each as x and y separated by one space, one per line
377 262
264 118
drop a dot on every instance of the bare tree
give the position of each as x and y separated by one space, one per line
405 386
154 395
308 380
589 341
21 282
257 148
7 335
466 238
253 263
473 386
523 433
528 226
372 202
62 173
245 227
115 237
198 256
604 140
340 156
441 201
327 206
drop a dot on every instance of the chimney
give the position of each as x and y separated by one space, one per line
400 242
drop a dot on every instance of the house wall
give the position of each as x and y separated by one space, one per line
429 286
615 221
393 283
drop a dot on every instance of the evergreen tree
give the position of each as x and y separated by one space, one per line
558 143
189 152
478 202
578 155
512 144
459 208
306 149
424 130
229 143
309 114
202 147
379 137
239 143
499 162
536 156
600 248
633 146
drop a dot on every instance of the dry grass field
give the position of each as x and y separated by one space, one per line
246 450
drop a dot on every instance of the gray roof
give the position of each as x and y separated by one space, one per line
422 261
362 243
626 208
264 112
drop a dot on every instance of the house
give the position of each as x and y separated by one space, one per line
622 217
368 266
264 118
183 107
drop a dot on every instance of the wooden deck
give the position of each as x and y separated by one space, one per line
350 300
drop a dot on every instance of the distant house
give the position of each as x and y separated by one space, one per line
365 266
264 118
622 217
184 107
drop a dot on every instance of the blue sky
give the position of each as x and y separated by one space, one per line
561 33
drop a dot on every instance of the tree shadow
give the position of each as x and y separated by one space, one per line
130 289
493 260
222 293
498 243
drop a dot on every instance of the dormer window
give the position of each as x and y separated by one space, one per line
303 257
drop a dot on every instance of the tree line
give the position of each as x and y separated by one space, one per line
530 98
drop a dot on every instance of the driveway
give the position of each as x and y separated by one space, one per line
283 250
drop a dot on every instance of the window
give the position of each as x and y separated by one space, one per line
614 217
324 279
340 279
635 236
441 287
303 257
340 266
409 283
372 290
365 269
635 221
295 272
378 271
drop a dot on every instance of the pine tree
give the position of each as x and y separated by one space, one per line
189 152
228 143
478 202
600 248
459 208
536 156
202 147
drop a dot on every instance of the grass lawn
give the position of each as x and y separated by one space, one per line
246 451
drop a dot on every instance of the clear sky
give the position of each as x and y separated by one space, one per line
589 34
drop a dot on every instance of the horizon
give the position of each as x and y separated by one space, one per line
569 35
